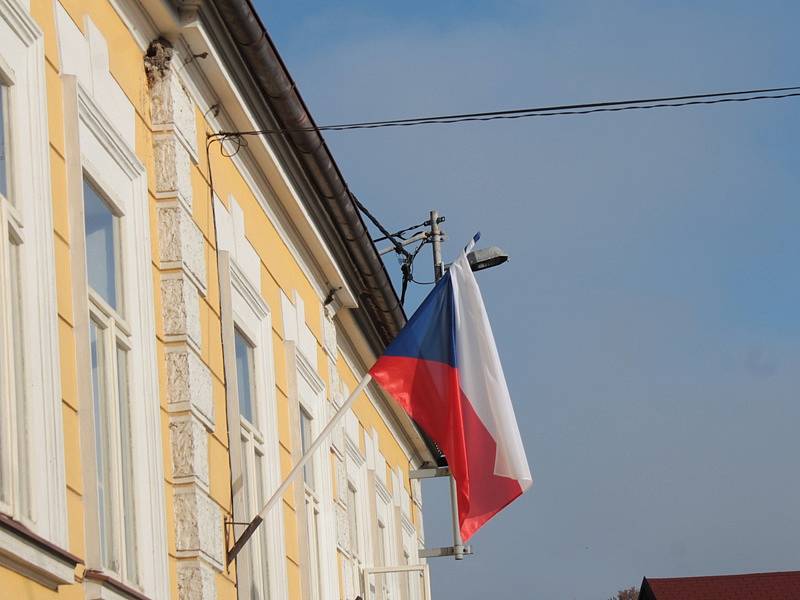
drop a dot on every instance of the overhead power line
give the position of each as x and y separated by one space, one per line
550 111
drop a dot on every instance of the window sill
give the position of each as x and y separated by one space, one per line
31 555
100 586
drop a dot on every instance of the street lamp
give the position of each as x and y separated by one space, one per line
486 258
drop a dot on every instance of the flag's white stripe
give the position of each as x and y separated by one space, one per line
481 374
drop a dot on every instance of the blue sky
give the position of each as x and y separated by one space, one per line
648 320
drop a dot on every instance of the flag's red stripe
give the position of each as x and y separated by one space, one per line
430 393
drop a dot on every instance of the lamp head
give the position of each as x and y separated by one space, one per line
486 258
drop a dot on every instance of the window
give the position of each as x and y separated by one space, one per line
253 465
114 326
352 518
312 504
405 577
411 581
306 439
357 518
318 557
102 247
254 444
14 453
4 143
110 344
244 376
32 474
382 580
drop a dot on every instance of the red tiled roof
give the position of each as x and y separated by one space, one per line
755 586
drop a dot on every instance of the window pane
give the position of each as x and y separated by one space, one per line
406 577
312 514
102 246
102 449
126 455
381 544
4 137
262 570
306 439
249 550
18 357
244 375
353 518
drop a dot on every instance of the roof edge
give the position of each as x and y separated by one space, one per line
337 204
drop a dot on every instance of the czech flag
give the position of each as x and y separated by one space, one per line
444 370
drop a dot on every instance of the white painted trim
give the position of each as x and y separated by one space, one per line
316 406
249 294
31 149
112 141
252 315
20 555
137 285
20 21
354 452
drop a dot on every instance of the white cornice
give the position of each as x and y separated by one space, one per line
92 116
309 373
353 452
20 21
251 296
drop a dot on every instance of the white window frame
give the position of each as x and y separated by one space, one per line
310 400
250 314
384 510
22 68
411 582
321 577
104 155
112 328
357 478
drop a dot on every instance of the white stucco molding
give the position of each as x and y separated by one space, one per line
22 52
180 242
21 554
196 580
198 526
180 309
189 443
189 385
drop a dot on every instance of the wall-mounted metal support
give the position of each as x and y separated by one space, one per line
251 527
457 550
446 551
406 569
428 472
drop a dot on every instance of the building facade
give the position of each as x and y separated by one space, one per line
181 313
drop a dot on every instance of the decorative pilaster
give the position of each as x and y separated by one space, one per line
181 256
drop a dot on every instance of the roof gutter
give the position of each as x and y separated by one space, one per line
376 294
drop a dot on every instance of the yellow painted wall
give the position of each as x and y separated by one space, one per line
279 272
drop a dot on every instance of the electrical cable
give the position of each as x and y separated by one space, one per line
551 111
402 231
239 141
398 247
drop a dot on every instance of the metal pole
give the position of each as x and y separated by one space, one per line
436 240
458 543
278 494
438 271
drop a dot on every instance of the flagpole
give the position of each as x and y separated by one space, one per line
438 273
320 439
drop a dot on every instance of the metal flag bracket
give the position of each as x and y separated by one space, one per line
458 550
